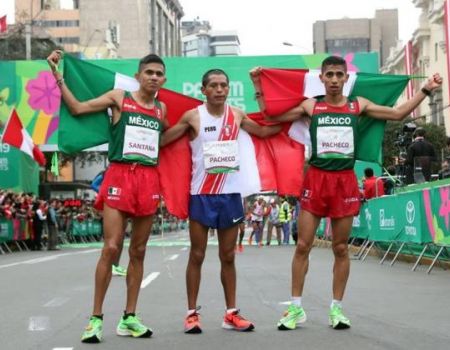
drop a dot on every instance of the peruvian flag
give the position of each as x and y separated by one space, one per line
3 25
17 136
272 164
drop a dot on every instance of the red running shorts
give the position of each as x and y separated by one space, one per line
333 194
131 188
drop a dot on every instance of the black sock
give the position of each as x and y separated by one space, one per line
98 316
125 315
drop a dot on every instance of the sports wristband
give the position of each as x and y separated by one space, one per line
426 91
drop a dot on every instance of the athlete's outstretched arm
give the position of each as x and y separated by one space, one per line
404 109
258 130
101 103
179 129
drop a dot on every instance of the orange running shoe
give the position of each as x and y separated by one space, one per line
241 248
192 323
233 320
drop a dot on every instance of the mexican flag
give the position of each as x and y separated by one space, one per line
284 89
263 161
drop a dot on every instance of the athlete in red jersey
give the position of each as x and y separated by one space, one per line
131 184
330 186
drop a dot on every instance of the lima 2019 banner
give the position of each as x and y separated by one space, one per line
30 87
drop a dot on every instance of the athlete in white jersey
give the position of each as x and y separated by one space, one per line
215 199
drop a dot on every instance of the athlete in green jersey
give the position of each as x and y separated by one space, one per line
131 184
330 186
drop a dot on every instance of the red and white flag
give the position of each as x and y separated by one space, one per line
17 136
3 25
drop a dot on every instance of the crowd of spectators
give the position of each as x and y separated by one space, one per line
32 217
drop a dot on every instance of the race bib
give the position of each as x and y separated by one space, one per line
221 156
141 145
335 142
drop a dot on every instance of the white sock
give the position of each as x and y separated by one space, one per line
297 301
191 311
229 311
336 302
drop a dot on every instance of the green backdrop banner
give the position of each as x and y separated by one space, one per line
6 230
420 216
26 84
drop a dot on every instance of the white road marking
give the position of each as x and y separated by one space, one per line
38 323
173 257
39 260
56 302
184 248
47 258
285 303
147 280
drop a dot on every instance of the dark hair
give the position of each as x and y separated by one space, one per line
368 172
215 71
420 132
333 61
151 58
448 141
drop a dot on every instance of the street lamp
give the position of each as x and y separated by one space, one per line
302 48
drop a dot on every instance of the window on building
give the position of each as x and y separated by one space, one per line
347 45
67 40
224 38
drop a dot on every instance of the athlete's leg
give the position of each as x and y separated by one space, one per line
278 230
270 227
227 237
285 228
120 248
341 231
113 220
198 234
241 232
254 232
141 228
307 226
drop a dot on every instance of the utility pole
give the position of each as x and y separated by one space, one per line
28 33
28 41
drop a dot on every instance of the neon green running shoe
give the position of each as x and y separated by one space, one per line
118 270
293 316
93 333
132 326
336 318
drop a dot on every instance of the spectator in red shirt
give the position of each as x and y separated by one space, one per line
372 187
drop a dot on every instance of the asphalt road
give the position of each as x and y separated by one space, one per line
46 299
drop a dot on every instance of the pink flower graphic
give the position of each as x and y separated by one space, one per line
349 59
44 93
444 210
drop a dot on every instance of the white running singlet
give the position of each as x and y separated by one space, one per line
213 128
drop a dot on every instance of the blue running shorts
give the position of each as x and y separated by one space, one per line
216 210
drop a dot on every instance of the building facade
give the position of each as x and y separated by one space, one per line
428 55
198 39
96 29
341 36
60 20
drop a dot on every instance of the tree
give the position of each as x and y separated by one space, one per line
12 46
397 140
